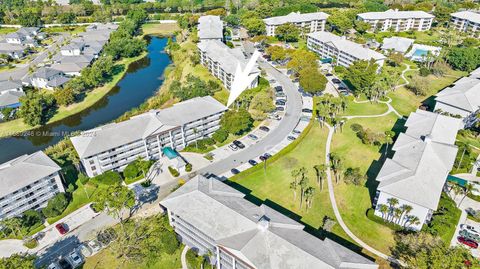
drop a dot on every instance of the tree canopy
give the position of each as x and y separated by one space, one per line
287 32
236 121
361 76
312 81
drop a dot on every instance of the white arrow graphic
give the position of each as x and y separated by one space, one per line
243 78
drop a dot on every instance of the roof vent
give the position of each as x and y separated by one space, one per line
427 138
263 223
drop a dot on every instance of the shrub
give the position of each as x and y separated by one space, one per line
173 171
356 127
188 167
108 178
30 243
169 242
55 206
131 171
220 135
424 72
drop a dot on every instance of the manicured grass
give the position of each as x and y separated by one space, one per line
15 126
354 201
469 138
272 185
79 199
7 30
160 28
369 108
405 101
222 96
107 259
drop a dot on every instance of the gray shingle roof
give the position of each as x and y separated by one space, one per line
7 85
395 14
11 48
24 170
258 235
58 81
113 135
10 98
45 72
210 27
296 17
467 15
464 94
227 58
348 46
424 155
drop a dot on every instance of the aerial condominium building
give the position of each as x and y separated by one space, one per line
214 219
340 50
28 182
114 146
398 21
416 175
210 28
466 21
222 62
307 23
461 99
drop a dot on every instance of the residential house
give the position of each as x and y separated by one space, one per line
397 44
214 219
466 21
47 78
10 93
210 28
222 61
72 49
307 22
461 99
416 175
24 36
398 21
342 51
114 146
28 182
15 51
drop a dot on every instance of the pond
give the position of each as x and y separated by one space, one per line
140 82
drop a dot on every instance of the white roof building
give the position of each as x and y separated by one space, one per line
466 21
462 98
424 155
212 216
307 22
344 51
397 44
398 20
210 28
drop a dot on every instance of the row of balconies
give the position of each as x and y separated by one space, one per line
21 194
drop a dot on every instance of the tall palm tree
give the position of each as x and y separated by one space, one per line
293 187
392 202
309 192
303 186
321 174
456 190
384 210
406 209
397 213
411 220
388 140
469 188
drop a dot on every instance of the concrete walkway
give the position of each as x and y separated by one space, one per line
184 257
335 207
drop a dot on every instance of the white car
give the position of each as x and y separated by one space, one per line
233 147
75 259
53 265
94 245
469 228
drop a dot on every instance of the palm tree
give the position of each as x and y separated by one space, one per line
321 174
388 140
392 202
309 192
411 220
397 213
406 209
456 190
303 186
293 187
469 188
12 224
383 209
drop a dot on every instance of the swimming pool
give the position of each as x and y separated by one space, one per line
169 152
420 53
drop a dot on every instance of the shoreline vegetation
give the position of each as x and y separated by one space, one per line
17 126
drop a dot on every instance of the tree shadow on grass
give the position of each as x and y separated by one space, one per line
376 165
317 232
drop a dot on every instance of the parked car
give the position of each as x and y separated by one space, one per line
233 147
94 245
280 102
280 108
252 136
336 81
252 162
75 259
467 242
469 228
238 144
64 264
344 93
329 75
470 235
61 228
53 265
278 89
291 138
264 128
280 94
235 171
307 110
265 157
296 132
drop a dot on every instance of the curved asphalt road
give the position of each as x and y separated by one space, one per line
290 120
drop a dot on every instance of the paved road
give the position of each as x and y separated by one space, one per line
20 72
286 126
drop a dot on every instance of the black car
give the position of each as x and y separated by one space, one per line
235 171
280 102
252 162
280 108
307 110
336 81
264 128
238 144
328 75
278 89
64 264
262 158
267 155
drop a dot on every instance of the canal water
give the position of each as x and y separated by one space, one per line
141 81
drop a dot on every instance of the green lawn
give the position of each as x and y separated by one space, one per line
273 184
79 199
363 108
354 201
7 30
106 259
160 28
404 101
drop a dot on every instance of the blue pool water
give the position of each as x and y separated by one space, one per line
420 53
169 152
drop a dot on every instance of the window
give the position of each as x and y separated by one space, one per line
94 168
92 162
